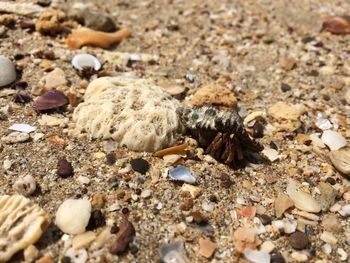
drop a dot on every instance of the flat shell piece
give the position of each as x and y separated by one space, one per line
21 224
341 161
173 252
21 127
181 173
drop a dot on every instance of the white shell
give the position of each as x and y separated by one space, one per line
302 200
7 71
22 127
81 61
181 173
333 140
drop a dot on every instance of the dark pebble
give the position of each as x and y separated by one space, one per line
331 180
277 258
21 98
285 87
125 211
226 180
198 217
64 168
111 159
138 191
97 219
21 85
258 130
189 77
139 165
265 219
298 240
307 39
66 260
133 249
114 229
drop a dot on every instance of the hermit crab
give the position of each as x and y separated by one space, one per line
220 132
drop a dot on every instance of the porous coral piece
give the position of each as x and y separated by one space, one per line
214 94
53 22
134 112
21 224
88 37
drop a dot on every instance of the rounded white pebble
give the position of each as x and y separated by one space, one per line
73 216
7 71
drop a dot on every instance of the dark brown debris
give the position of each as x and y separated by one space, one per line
124 236
337 25
52 99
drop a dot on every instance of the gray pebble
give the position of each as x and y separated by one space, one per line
15 137
7 71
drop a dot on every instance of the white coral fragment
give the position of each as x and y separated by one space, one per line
21 224
134 112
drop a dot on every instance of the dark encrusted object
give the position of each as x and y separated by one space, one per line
220 132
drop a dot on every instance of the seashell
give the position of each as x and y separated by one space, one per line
21 224
22 127
88 37
7 71
50 100
333 140
82 61
337 24
301 199
173 252
181 173
341 161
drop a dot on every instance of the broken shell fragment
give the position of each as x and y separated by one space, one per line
341 161
302 200
21 224
337 25
333 140
181 173
51 99
88 37
173 252
82 61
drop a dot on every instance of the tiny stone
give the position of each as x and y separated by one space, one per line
139 165
111 159
285 87
30 253
97 219
226 180
146 193
268 246
207 207
343 255
198 217
64 168
15 137
25 186
299 257
329 238
298 240
277 258
7 164
206 247
265 219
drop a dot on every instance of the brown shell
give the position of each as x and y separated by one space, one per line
52 99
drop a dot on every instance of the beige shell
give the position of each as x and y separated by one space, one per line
21 224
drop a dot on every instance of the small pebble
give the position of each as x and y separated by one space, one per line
277 258
343 255
15 137
139 165
345 210
64 168
73 216
265 219
298 240
7 164
146 193
328 237
97 219
25 186
7 71
206 247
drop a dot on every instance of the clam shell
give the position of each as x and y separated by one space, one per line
341 161
51 99
81 61
302 200
181 173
